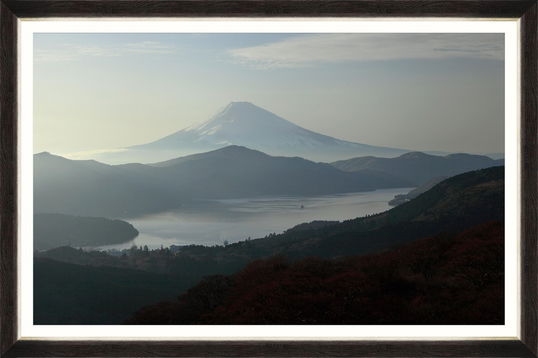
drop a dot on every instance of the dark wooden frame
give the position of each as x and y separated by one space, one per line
11 10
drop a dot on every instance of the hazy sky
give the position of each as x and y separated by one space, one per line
414 91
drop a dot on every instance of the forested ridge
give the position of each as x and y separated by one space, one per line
448 209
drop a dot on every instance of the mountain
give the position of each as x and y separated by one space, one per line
495 155
451 206
409 285
402 198
54 230
245 124
90 188
99 288
92 282
234 172
418 167
75 294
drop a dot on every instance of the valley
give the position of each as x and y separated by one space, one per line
449 208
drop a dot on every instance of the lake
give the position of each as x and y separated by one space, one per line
214 222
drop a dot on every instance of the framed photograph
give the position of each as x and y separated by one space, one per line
268 178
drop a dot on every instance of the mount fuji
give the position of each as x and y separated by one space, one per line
245 124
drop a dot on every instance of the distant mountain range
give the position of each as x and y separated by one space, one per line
90 188
418 167
245 124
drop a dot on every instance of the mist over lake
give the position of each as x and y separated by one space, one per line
213 222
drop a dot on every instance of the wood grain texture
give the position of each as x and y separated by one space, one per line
8 178
271 349
269 8
529 185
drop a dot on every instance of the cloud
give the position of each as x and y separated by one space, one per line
148 47
70 52
308 50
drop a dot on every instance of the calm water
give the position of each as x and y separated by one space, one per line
213 222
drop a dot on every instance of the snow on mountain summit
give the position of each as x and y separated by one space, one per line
241 117
245 124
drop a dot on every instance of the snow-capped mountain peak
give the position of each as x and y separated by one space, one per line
245 124
241 115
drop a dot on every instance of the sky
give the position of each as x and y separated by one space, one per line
428 92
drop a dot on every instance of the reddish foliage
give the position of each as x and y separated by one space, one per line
456 279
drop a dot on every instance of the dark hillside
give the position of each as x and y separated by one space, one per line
449 279
55 230
74 294
451 207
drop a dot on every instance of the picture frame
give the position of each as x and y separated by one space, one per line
526 345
